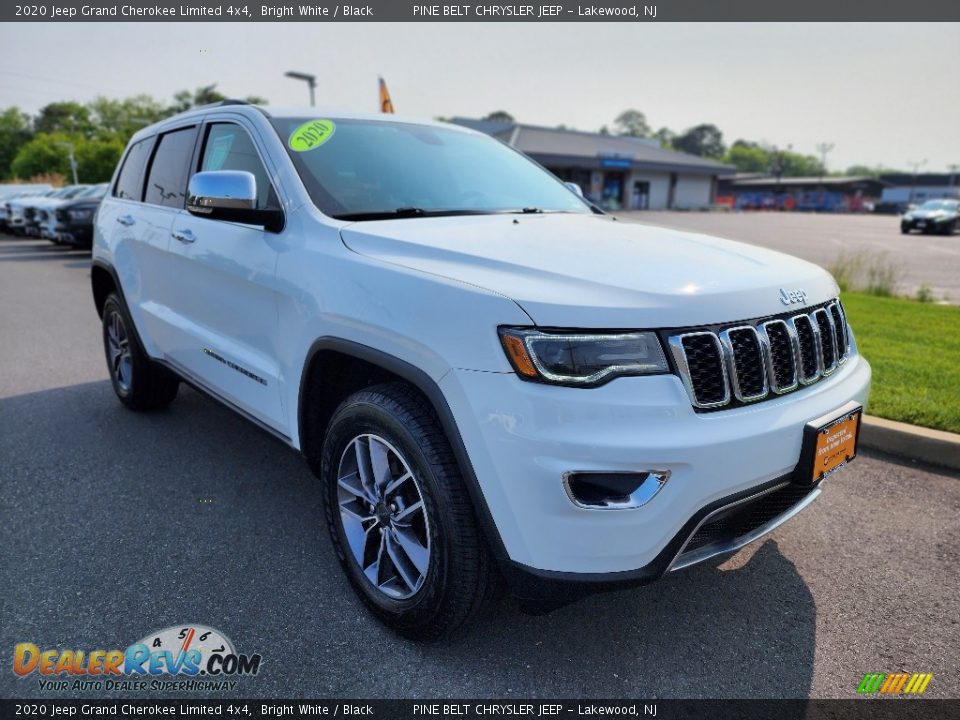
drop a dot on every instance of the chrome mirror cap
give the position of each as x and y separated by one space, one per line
221 190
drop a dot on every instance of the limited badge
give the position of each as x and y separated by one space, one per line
311 135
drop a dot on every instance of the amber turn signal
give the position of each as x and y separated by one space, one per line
519 357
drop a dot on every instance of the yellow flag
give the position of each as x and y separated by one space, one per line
386 104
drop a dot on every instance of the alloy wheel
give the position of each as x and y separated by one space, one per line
383 516
118 351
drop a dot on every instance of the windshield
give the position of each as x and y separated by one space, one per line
368 169
939 205
94 191
72 192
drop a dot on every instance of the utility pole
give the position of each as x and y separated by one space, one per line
823 148
915 165
72 160
953 174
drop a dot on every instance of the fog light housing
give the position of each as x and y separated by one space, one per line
614 490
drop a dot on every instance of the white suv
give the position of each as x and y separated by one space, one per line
490 378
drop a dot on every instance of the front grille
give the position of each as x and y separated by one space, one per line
740 520
61 216
749 361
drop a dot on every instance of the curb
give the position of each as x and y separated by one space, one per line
934 447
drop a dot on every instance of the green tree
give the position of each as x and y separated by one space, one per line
14 133
797 165
97 158
64 117
665 136
704 140
500 116
206 95
122 118
748 157
632 123
45 153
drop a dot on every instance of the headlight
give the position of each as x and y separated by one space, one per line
81 214
582 359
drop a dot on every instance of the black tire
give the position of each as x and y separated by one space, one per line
460 580
904 230
142 384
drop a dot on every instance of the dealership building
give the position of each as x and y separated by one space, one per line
614 171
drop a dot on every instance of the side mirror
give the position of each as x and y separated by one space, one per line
573 187
230 195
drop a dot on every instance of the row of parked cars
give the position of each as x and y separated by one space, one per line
62 215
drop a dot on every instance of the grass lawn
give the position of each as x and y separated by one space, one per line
914 349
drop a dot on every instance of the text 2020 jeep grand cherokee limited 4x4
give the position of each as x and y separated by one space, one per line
491 379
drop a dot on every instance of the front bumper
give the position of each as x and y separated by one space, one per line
926 225
523 437
76 234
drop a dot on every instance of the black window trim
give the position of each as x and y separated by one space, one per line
153 155
152 139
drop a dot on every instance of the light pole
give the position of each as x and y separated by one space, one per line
953 174
310 80
72 160
823 148
916 165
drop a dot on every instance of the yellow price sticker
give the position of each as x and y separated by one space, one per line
311 135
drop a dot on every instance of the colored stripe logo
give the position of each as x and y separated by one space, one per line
894 683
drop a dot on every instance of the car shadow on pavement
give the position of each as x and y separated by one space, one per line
116 523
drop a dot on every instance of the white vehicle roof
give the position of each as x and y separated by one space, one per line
295 111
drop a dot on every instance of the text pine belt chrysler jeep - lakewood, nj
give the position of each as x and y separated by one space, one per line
494 382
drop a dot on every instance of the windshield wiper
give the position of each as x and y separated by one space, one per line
408 212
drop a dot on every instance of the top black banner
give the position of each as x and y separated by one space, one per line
319 11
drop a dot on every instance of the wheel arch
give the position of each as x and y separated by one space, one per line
103 281
350 366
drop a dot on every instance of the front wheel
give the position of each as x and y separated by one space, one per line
400 516
140 383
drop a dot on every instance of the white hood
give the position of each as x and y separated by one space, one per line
591 271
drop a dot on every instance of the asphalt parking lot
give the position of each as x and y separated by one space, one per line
821 238
114 524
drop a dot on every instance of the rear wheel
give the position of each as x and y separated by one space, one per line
400 516
140 383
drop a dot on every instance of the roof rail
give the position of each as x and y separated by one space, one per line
232 101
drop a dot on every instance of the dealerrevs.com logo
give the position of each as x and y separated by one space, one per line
180 657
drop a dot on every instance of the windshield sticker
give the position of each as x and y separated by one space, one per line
311 135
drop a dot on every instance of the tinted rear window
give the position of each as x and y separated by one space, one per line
167 182
130 182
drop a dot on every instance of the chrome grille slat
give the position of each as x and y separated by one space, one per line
840 325
780 354
688 348
828 340
808 349
747 362
745 365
